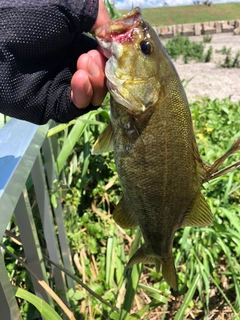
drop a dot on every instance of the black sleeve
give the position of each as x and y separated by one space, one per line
40 42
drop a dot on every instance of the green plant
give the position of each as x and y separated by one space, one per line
203 256
206 259
224 50
208 55
190 50
3 120
113 12
44 308
207 38
231 62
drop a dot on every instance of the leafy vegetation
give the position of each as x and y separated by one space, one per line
189 50
231 62
207 259
3 120
192 50
207 38
224 50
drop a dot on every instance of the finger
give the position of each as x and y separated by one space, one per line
82 91
98 58
98 81
82 61
94 64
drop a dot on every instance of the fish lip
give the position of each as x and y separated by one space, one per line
110 31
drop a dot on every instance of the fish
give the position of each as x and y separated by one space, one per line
151 133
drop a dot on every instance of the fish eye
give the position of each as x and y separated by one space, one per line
146 47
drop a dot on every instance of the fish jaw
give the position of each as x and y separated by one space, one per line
111 36
120 29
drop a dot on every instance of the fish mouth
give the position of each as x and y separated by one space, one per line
120 30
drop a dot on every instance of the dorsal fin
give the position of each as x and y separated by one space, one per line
104 142
199 214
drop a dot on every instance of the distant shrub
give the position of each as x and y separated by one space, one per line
224 50
207 38
208 55
182 46
231 62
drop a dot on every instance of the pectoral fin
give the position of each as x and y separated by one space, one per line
105 141
124 216
199 214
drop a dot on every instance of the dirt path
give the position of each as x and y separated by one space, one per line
209 79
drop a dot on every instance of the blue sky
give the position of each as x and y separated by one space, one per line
128 4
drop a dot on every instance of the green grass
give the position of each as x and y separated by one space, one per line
190 14
206 259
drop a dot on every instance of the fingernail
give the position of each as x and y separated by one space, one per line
92 67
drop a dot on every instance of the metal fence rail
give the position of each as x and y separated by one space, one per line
26 152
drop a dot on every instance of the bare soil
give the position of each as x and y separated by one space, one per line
209 79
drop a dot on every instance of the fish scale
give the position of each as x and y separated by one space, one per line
151 133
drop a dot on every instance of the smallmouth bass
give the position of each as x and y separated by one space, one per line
151 132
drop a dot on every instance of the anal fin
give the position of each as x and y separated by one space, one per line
199 214
124 216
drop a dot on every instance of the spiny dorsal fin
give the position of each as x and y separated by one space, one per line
124 216
199 213
104 142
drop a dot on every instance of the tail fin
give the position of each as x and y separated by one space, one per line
168 268
169 274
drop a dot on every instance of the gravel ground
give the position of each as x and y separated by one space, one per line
209 79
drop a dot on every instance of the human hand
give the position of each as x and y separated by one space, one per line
88 82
